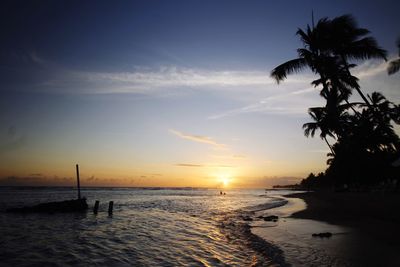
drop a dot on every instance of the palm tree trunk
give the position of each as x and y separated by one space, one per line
358 89
329 145
355 111
363 97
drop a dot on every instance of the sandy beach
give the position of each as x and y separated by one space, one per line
364 227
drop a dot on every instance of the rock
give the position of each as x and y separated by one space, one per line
322 235
247 218
271 218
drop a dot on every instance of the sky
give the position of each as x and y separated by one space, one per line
167 93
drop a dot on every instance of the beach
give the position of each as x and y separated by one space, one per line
199 227
364 229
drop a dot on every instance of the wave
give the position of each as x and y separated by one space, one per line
273 203
237 230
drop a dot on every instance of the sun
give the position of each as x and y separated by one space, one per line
224 180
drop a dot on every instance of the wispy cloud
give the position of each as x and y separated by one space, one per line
292 104
370 68
188 165
148 80
277 104
203 165
167 77
197 138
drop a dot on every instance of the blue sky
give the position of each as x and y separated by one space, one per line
168 93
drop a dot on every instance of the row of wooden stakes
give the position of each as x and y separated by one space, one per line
110 207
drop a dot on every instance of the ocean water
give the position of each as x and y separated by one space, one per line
149 227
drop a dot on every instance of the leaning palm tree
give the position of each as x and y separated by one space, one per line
327 49
394 65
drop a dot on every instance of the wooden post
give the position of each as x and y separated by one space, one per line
110 207
79 185
96 207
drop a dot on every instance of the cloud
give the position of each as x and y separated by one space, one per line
277 104
295 102
201 165
173 77
145 80
188 165
371 68
197 138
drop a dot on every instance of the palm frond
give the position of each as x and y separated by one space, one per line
310 128
394 66
365 48
292 66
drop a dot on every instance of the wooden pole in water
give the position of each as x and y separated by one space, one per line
79 185
96 207
110 207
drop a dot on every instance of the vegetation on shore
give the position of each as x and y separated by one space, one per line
365 145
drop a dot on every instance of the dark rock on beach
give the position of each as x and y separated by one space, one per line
327 235
271 218
247 218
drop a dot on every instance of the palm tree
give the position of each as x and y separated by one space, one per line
309 55
319 122
332 120
380 116
350 42
327 49
394 65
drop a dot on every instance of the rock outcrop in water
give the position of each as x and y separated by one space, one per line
52 207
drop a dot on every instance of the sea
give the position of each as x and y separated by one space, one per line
148 227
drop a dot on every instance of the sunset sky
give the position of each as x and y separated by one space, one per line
167 93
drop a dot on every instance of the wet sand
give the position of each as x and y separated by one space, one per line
364 233
377 213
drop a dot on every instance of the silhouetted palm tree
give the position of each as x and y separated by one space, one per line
332 120
394 65
350 42
319 123
309 56
327 49
383 136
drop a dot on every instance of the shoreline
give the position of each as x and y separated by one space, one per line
363 234
344 207
372 213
